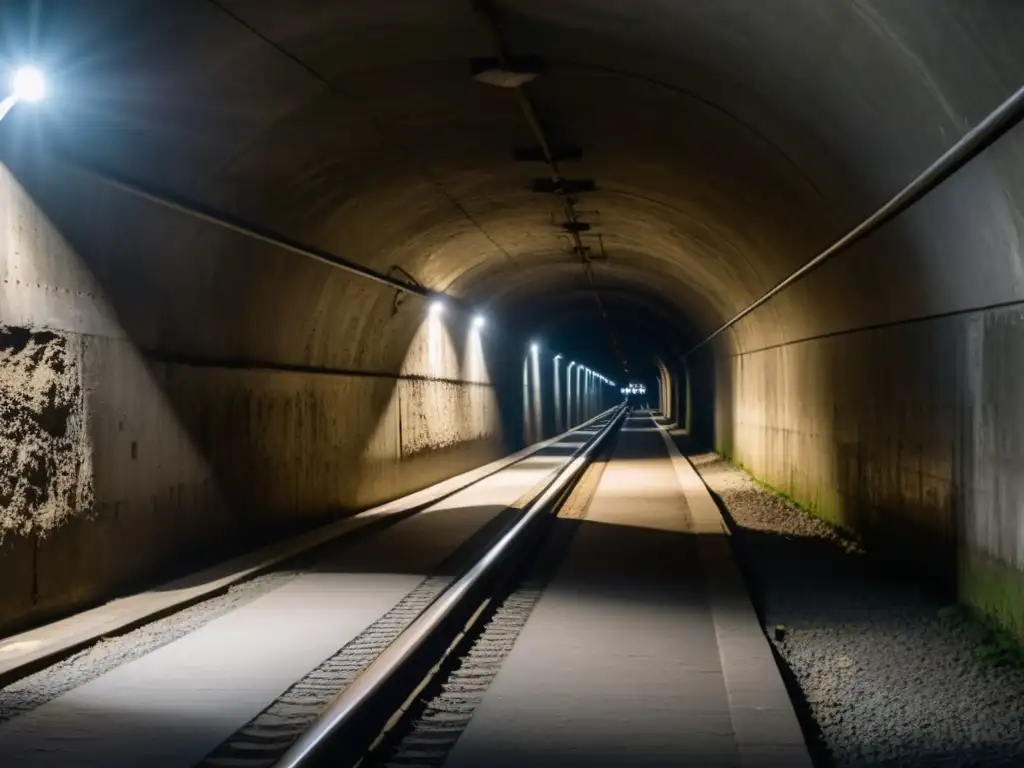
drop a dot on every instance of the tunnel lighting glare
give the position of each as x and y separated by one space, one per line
634 389
558 357
479 322
436 308
28 84
535 347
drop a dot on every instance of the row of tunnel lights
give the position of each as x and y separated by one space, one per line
535 349
479 321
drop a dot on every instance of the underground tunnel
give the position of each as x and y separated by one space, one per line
268 265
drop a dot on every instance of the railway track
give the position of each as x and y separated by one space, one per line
430 727
383 672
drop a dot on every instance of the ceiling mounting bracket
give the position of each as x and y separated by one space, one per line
400 296
536 154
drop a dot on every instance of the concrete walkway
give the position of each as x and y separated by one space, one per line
644 650
168 709
28 651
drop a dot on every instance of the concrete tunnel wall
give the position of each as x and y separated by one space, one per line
889 405
729 142
123 462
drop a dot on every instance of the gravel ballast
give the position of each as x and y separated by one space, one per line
889 676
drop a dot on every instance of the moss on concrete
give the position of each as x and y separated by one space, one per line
995 589
782 494
992 590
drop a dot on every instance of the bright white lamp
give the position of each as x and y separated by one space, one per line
28 84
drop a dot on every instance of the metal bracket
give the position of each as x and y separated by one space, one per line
400 296
396 305
575 226
536 154
562 186
405 273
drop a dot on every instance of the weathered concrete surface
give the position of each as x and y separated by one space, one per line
729 141
119 466
43 461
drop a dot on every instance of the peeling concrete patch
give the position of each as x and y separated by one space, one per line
44 477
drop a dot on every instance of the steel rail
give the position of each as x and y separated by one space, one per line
973 143
342 720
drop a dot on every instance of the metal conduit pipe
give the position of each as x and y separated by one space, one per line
533 120
239 226
973 143
357 712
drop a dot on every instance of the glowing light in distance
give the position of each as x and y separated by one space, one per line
479 322
436 307
558 357
535 347
28 84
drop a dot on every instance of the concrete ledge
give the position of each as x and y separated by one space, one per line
27 652
767 731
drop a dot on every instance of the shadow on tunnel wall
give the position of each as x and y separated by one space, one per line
206 414
698 400
869 426
856 442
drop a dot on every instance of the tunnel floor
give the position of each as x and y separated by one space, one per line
174 705
629 630
629 640
628 658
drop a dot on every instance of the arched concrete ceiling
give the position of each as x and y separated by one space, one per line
729 141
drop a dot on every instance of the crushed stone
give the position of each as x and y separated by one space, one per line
889 676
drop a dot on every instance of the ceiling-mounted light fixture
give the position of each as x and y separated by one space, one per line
514 72
28 84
